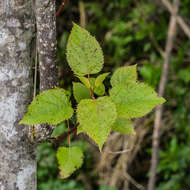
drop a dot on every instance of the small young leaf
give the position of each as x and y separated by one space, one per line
92 83
80 129
100 90
69 160
134 100
124 75
51 106
59 130
84 80
96 118
124 126
80 91
100 79
84 53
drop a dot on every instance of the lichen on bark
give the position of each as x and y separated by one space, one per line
17 155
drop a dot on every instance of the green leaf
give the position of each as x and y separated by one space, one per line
100 79
100 90
124 75
69 160
96 118
92 83
84 53
60 129
84 80
124 126
80 129
51 106
184 74
80 91
135 99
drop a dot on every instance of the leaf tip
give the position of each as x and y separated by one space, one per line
21 122
162 100
133 132
74 24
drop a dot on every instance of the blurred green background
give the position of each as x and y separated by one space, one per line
130 32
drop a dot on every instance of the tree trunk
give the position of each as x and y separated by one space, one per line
47 47
17 155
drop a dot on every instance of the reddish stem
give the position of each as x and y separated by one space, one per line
61 7
56 141
91 91
69 135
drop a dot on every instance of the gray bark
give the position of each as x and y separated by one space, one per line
46 46
46 37
17 155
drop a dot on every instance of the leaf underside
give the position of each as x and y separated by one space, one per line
69 160
84 53
96 118
51 106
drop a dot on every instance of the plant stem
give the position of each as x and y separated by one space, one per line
61 7
91 91
57 140
69 135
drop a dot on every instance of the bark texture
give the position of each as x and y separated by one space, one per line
46 42
17 155
46 46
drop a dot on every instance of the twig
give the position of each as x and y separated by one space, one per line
61 7
156 45
35 70
91 91
69 135
162 85
57 140
129 178
82 14
180 20
120 152
32 129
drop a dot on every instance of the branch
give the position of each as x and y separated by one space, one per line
129 178
180 20
61 7
58 140
120 152
82 14
162 85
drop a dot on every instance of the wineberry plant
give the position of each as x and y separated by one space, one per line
99 111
